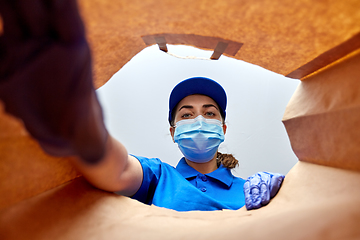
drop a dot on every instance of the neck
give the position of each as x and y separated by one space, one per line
203 168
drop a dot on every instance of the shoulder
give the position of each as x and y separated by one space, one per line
238 181
147 160
152 164
151 161
154 171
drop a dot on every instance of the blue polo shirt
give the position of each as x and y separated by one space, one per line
185 189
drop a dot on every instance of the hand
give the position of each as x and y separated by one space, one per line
46 77
260 188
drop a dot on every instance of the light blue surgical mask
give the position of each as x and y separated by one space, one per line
199 138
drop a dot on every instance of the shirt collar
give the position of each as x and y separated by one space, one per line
221 174
185 170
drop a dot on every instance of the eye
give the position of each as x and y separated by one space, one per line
186 115
209 114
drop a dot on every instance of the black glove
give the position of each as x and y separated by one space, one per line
46 77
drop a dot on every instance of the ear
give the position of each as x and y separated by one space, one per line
172 132
224 128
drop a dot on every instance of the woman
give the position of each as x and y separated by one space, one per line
63 114
202 179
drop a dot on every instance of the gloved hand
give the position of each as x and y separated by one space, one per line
260 188
46 77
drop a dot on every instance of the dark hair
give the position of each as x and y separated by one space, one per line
173 117
227 160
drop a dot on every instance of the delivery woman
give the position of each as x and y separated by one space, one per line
202 179
49 87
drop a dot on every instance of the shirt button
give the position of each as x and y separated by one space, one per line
203 178
203 189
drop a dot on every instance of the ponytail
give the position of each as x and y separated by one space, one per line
228 160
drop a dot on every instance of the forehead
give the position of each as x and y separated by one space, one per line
196 99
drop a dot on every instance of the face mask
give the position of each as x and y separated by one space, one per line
199 138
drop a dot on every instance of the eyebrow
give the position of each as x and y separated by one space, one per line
204 106
185 106
210 105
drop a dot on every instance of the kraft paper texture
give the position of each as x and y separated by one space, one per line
44 197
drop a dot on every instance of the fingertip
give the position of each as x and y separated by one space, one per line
256 203
275 185
256 206
248 206
265 201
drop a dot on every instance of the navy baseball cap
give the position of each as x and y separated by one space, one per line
198 85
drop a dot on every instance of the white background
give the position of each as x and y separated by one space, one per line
135 103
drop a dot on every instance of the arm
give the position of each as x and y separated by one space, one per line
117 171
46 80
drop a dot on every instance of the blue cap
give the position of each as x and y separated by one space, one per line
198 85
